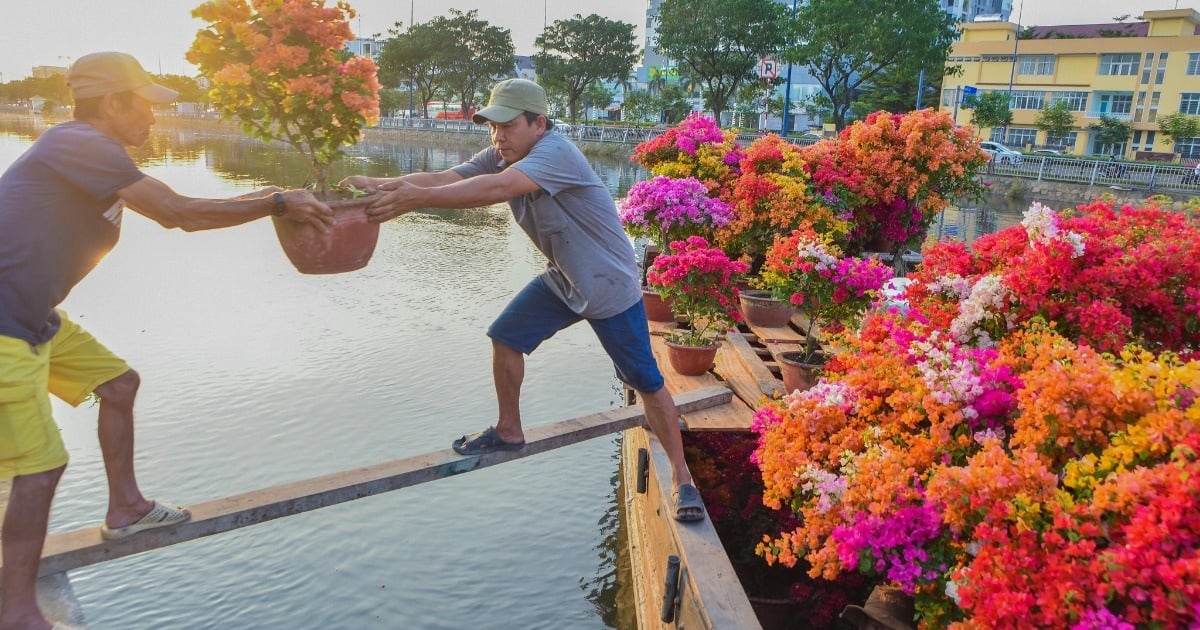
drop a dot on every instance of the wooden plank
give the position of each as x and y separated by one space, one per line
752 362
732 371
735 415
712 595
82 547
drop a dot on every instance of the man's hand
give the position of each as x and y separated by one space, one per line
397 197
301 205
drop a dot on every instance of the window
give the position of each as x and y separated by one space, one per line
997 135
1189 103
1076 100
1137 142
1114 104
1188 148
1061 140
948 95
1020 137
1147 66
1041 65
1141 105
1193 67
1119 64
1027 99
1153 115
1162 68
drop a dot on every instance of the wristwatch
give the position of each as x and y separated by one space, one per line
280 207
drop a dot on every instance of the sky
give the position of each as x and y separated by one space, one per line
158 32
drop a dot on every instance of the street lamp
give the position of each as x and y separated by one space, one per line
411 12
787 89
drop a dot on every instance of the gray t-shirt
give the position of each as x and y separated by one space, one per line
573 220
59 215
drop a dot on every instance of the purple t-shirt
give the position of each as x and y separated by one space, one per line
59 215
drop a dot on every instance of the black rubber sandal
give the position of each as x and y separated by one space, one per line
486 441
689 507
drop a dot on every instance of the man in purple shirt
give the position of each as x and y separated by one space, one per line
61 205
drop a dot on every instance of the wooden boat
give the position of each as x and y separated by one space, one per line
682 576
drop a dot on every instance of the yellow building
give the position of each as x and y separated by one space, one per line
1134 72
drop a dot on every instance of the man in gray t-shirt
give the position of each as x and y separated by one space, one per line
591 273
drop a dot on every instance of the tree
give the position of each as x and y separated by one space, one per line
720 42
1178 125
574 53
895 90
476 54
189 90
640 106
1110 131
847 44
420 54
596 95
1056 120
991 110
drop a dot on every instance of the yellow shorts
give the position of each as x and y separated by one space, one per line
70 366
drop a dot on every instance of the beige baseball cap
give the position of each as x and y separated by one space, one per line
511 97
103 73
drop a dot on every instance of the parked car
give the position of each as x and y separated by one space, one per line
1001 154
1048 152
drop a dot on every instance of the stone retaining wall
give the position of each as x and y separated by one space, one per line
1054 193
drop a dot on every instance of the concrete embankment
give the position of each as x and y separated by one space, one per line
1056 194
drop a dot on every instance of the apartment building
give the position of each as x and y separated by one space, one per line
1134 72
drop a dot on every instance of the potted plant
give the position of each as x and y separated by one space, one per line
277 68
831 290
701 283
663 210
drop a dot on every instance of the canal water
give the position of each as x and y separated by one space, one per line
255 375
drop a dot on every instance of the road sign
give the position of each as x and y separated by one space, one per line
970 89
768 68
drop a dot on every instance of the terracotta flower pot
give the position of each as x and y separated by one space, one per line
760 309
691 360
657 308
798 374
348 245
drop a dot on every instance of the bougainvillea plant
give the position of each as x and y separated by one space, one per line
808 270
898 171
663 210
277 66
696 147
701 283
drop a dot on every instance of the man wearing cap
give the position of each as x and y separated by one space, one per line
591 274
60 212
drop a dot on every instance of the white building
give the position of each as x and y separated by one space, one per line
365 47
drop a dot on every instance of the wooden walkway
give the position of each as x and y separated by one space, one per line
82 547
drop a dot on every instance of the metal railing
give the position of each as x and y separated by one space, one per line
1147 176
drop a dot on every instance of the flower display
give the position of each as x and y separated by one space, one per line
275 66
990 453
696 147
665 210
700 281
808 270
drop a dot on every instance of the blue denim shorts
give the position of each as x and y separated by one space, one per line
536 313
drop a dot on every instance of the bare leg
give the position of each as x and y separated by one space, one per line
24 536
508 370
126 505
663 418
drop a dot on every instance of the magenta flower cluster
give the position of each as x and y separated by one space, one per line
894 545
665 209
696 130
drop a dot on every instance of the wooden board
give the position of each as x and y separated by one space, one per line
732 416
82 547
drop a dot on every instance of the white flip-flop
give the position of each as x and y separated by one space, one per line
161 515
